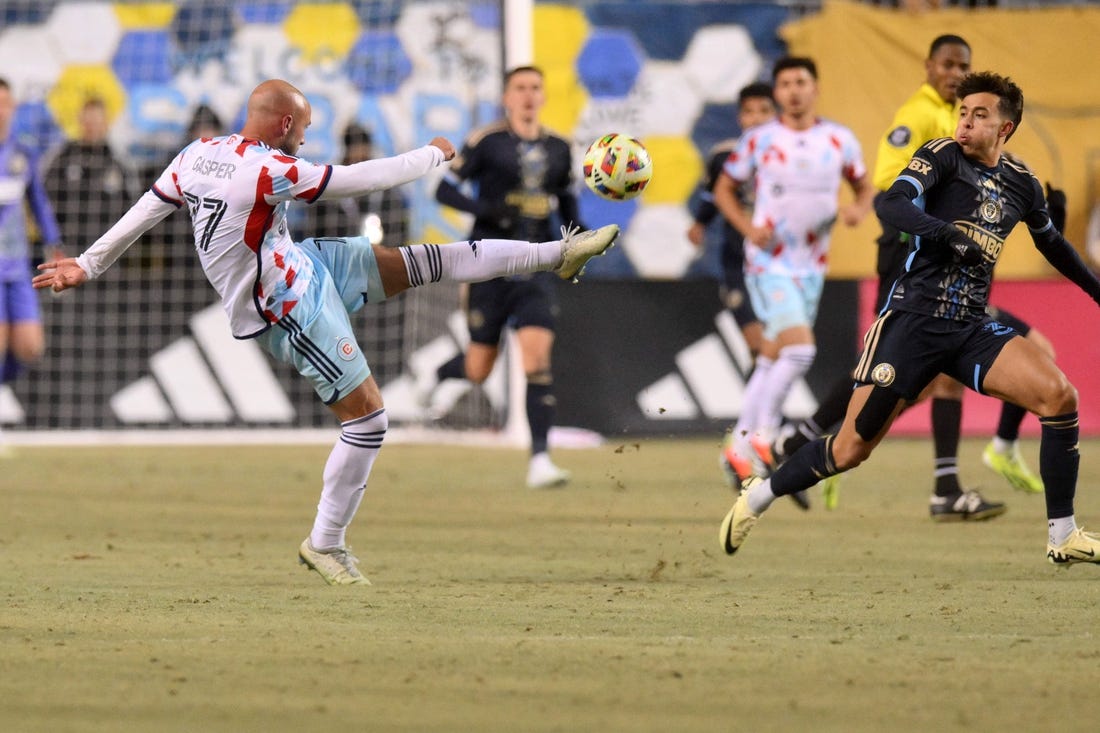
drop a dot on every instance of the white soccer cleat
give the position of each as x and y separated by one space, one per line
337 567
579 247
543 474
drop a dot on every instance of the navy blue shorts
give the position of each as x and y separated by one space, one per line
905 351
516 302
1000 315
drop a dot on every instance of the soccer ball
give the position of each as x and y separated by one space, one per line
617 167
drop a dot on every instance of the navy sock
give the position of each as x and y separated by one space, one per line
946 421
805 468
1058 462
1008 427
830 412
541 406
10 368
455 368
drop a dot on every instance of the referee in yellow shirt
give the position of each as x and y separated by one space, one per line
928 114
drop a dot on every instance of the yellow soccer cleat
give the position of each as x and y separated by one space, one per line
830 491
739 521
337 567
1080 546
579 247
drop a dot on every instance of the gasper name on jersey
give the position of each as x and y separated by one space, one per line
213 168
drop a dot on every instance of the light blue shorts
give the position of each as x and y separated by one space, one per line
783 301
316 336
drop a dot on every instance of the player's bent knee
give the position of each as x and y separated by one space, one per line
28 354
1060 398
847 454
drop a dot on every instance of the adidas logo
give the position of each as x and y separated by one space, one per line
208 377
710 381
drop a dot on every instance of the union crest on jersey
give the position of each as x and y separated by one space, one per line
990 211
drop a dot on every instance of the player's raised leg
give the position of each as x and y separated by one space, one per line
419 264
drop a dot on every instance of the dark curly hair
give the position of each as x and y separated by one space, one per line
1010 97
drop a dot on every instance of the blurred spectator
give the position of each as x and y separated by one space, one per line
88 186
381 216
204 123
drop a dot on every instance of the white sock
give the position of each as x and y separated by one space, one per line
749 419
793 363
345 478
483 259
761 497
1059 530
1004 447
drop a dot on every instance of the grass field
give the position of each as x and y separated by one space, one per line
157 590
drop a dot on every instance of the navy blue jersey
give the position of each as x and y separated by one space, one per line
984 203
520 184
705 210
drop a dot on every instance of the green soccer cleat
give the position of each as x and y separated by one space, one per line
579 247
830 491
1012 467
337 567
1081 546
739 521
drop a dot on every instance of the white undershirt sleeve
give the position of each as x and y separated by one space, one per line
373 175
149 210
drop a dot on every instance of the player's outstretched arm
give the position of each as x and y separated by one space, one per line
59 275
70 272
1060 253
349 181
444 145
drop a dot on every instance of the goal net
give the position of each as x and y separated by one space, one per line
147 345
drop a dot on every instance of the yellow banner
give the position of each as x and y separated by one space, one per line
871 59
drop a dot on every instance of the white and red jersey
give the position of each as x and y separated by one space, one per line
238 191
797 179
